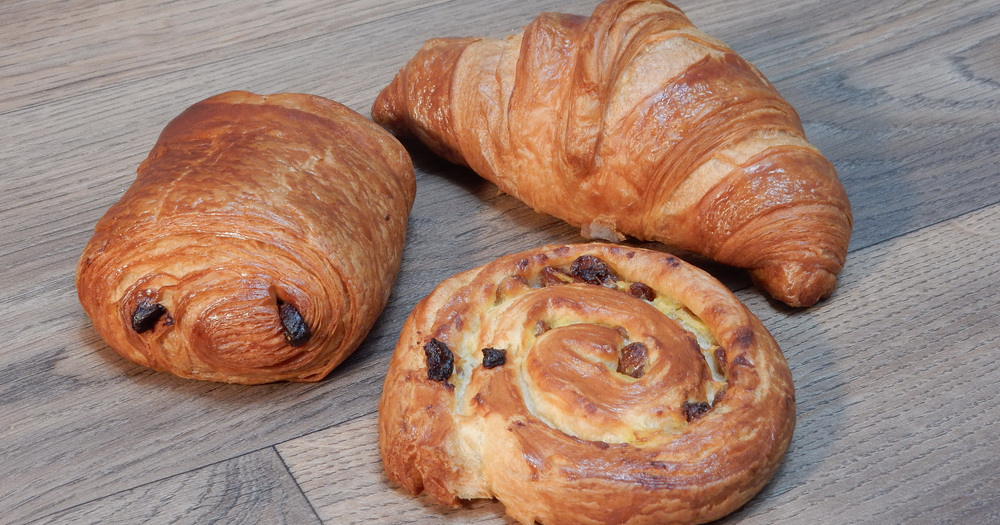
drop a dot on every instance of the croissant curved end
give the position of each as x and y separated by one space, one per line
634 118
795 284
409 104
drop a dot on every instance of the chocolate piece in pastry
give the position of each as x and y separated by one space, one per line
632 121
587 384
258 242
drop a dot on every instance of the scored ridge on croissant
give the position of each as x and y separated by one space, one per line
586 384
634 121
258 243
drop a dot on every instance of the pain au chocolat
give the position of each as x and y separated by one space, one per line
258 242
587 384
632 121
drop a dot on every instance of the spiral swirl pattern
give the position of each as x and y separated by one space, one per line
648 394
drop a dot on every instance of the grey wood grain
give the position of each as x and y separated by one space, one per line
87 45
902 97
248 489
76 415
341 473
895 420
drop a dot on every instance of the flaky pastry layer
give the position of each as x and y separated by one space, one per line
632 121
258 242
587 384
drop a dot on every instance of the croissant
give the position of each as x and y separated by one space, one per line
632 121
586 384
258 242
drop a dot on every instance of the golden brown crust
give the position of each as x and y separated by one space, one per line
655 397
634 121
247 203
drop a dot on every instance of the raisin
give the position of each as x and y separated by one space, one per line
146 314
642 291
296 330
494 357
693 411
632 361
592 270
440 361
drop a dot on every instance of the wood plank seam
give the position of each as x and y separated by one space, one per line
45 518
369 413
295 480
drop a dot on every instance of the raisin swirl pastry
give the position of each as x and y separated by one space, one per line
587 384
258 242
634 122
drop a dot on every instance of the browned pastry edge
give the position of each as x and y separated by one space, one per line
471 435
634 122
258 243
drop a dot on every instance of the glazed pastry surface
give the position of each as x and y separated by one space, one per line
587 384
258 242
633 121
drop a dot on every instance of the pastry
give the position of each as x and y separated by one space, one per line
586 384
258 242
634 122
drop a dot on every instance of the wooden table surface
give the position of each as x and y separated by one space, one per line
896 375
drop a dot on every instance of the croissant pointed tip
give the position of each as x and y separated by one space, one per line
632 122
385 109
795 284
